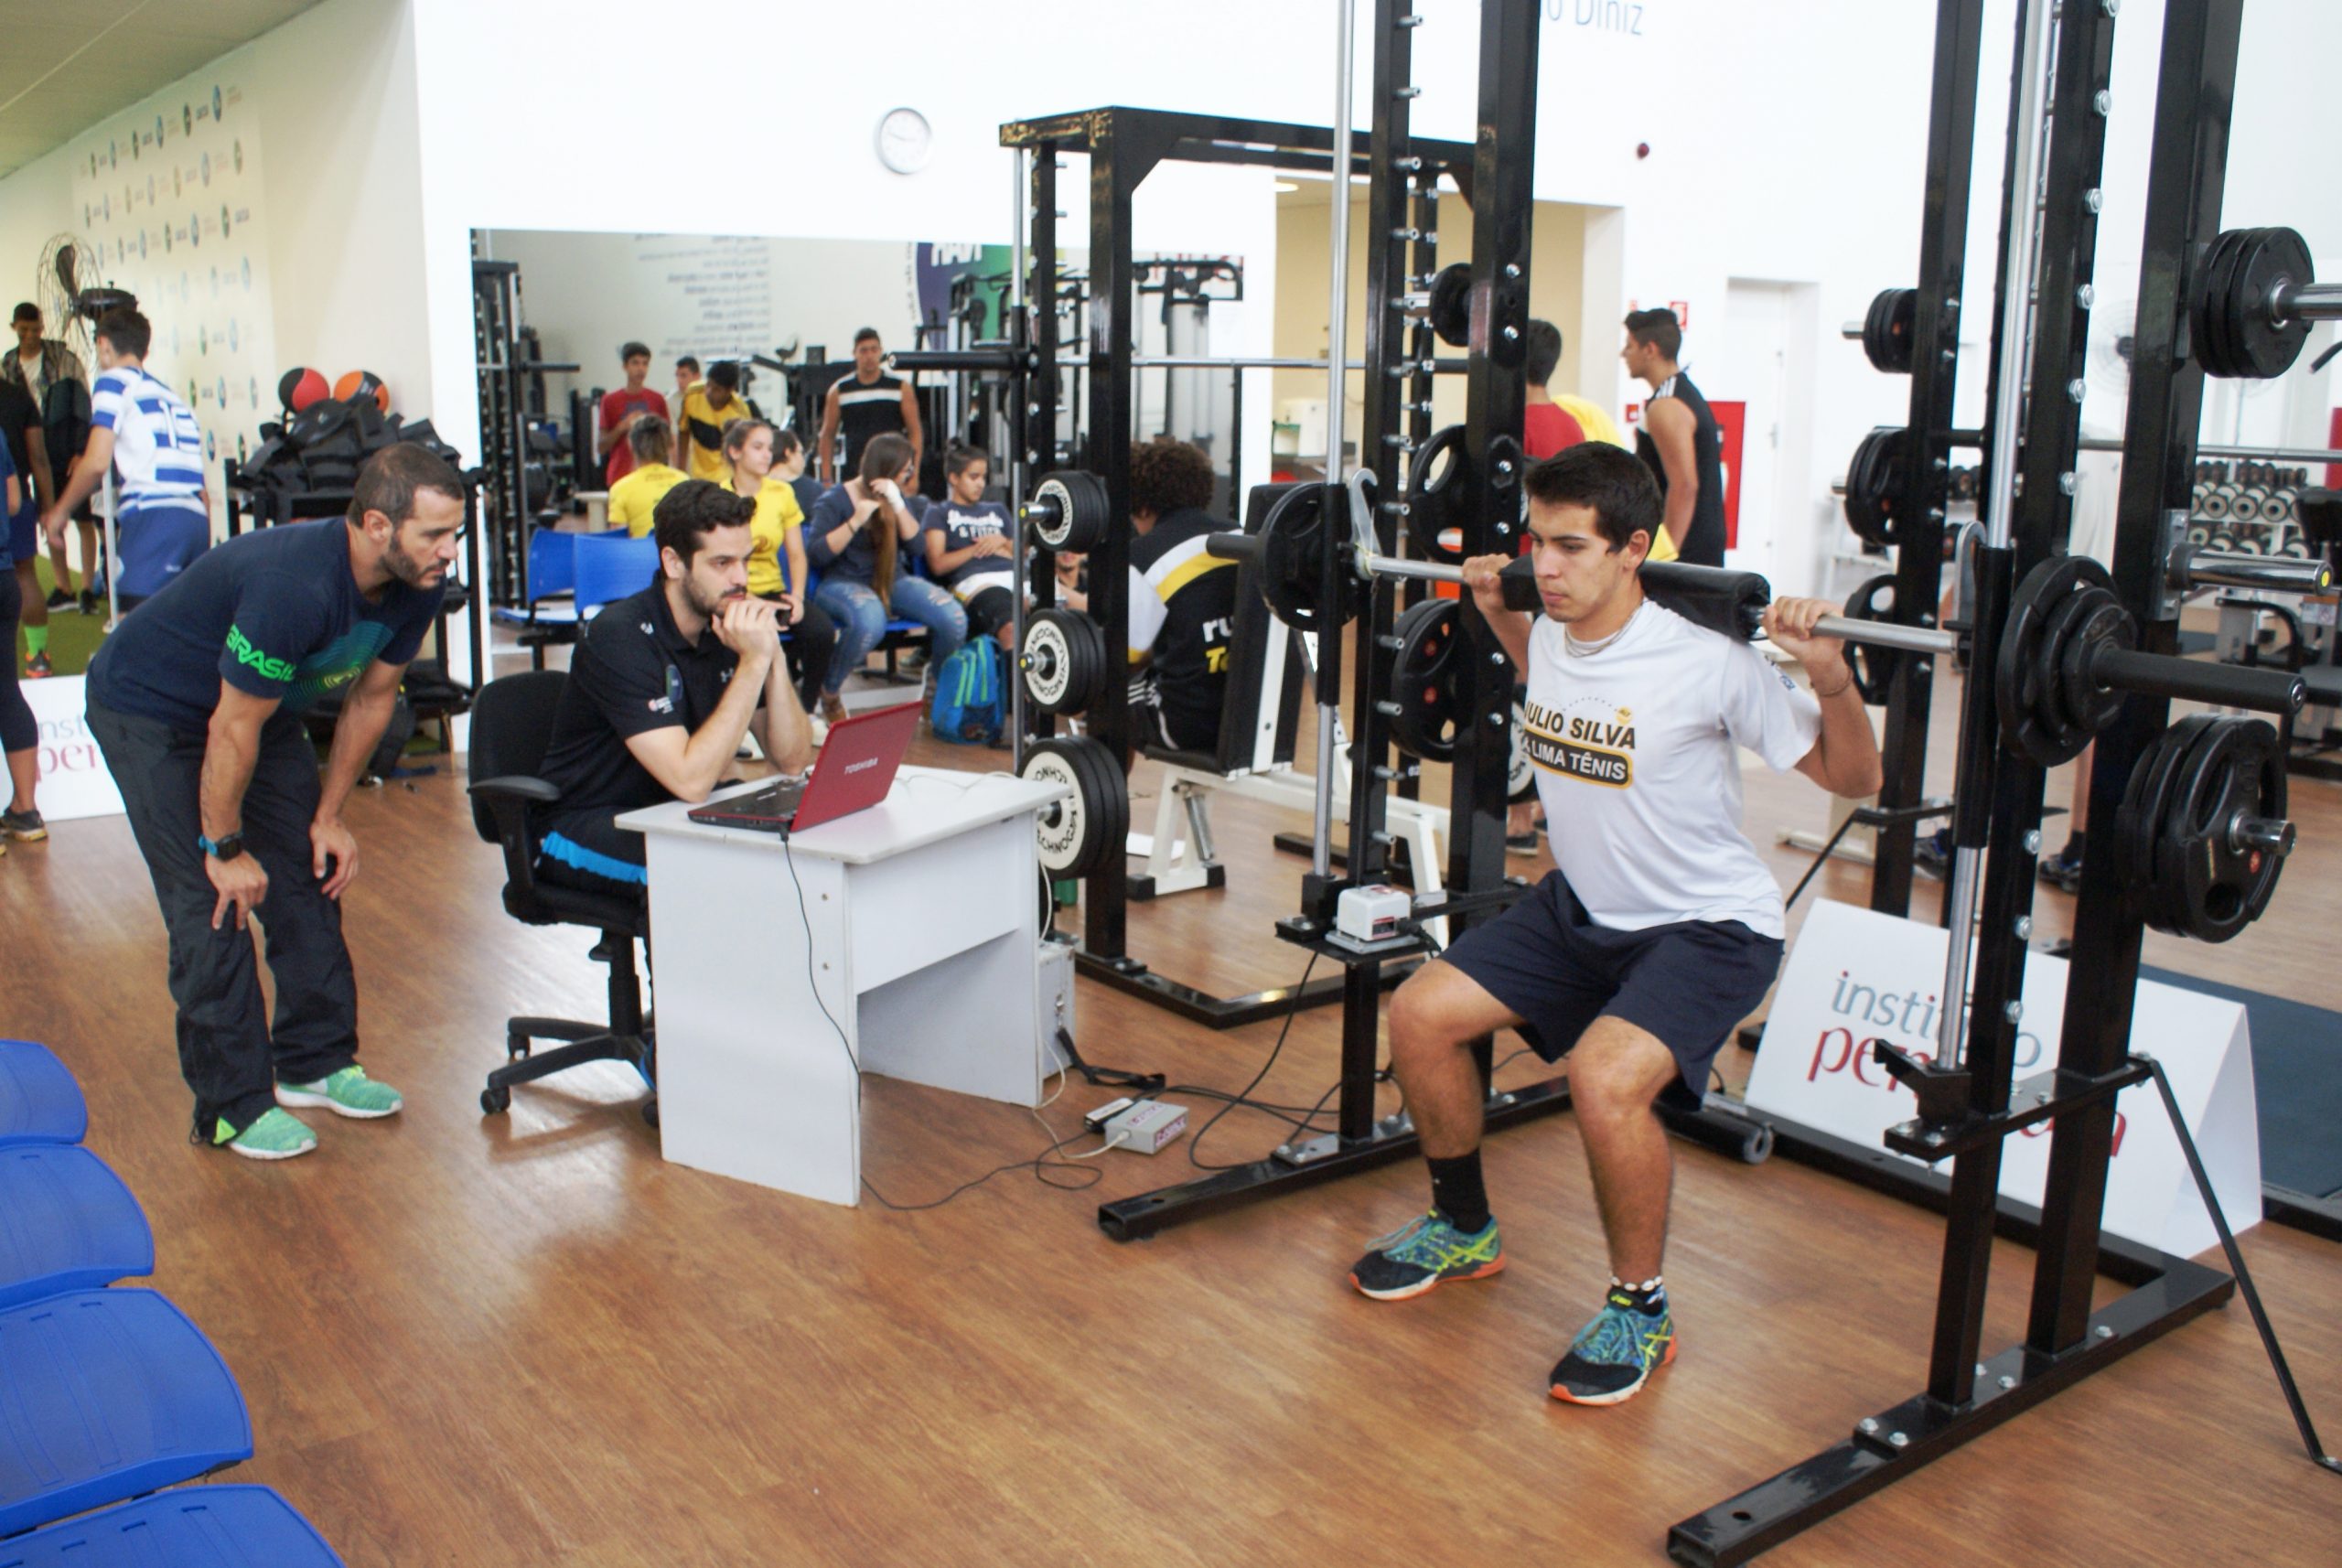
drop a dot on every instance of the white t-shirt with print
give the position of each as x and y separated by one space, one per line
1637 748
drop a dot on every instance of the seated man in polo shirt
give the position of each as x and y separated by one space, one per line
664 685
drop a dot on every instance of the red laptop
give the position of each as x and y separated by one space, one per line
855 770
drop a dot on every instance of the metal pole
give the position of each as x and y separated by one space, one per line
1013 329
1329 698
2008 426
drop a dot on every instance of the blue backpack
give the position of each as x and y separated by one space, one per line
971 698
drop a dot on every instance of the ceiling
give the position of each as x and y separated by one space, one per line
64 68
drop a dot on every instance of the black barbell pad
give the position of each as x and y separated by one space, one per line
1729 602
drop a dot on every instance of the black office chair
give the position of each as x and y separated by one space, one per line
512 728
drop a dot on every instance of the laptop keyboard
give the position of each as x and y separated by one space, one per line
776 800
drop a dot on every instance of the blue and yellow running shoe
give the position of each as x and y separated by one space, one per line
1615 1354
1426 1252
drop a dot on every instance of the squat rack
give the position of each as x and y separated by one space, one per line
1125 146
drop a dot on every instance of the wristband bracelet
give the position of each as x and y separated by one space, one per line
1838 691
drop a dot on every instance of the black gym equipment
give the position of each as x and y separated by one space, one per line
2052 646
1123 147
1439 495
1887 330
1086 829
1874 480
1062 662
1069 512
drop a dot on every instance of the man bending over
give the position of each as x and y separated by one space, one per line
1661 929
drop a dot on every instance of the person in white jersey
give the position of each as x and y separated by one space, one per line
1661 929
147 434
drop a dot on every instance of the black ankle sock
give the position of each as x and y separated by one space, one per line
1649 1298
2073 850
1457 1191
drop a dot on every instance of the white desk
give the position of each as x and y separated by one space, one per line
924 916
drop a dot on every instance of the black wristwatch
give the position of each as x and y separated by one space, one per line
228 846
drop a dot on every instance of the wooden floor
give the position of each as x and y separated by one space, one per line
528 1340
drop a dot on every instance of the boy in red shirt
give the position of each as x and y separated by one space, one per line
621 408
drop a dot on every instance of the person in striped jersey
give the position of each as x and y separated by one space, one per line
141 428
867 404
1182 600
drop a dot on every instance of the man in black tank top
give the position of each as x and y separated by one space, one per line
1678 438
866 404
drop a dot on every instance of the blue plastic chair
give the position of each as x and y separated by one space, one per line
216 1527
108 1394
611 565
67 1223
550 615
39 1101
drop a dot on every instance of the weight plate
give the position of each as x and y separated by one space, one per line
1439 496
2087 704
1293 539
2268 346
2139 822
1069 511
2197 534
2226 316
1886 331
2246 507
1111 791
2206 330
1063 662
1450 304
2052 605
1076 831
2211 884
1872 479
1872 665
1427 680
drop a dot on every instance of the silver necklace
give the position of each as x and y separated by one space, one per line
1579 650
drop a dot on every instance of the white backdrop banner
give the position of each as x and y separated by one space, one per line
169 195
1856 976
74 781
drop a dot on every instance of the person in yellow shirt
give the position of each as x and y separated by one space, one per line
709 408
778 530
653 441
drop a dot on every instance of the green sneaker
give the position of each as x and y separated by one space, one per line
349 1092
275 1136
1426 1252
1615 1354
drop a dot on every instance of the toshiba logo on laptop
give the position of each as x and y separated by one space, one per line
863 767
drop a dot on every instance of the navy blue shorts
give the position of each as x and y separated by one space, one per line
1688 983
24 533
156 543
588 850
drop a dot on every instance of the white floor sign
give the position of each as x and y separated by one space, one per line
74 782
1855 976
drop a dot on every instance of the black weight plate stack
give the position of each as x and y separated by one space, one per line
2046 713
2146 798
1063 662
1886 331
1427 680
2267 347
1439 495
1069 511
1080 832
2208 885
1871 479
1293 539
1450 304
1872 665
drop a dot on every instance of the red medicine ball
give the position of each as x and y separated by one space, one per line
301 387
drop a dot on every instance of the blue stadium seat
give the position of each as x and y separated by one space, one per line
611 565
108 1394
190 1527
39 1101
67 1223
550 615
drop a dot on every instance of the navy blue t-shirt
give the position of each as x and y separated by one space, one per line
276 613
858 562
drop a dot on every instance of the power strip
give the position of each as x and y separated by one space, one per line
1144 1128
